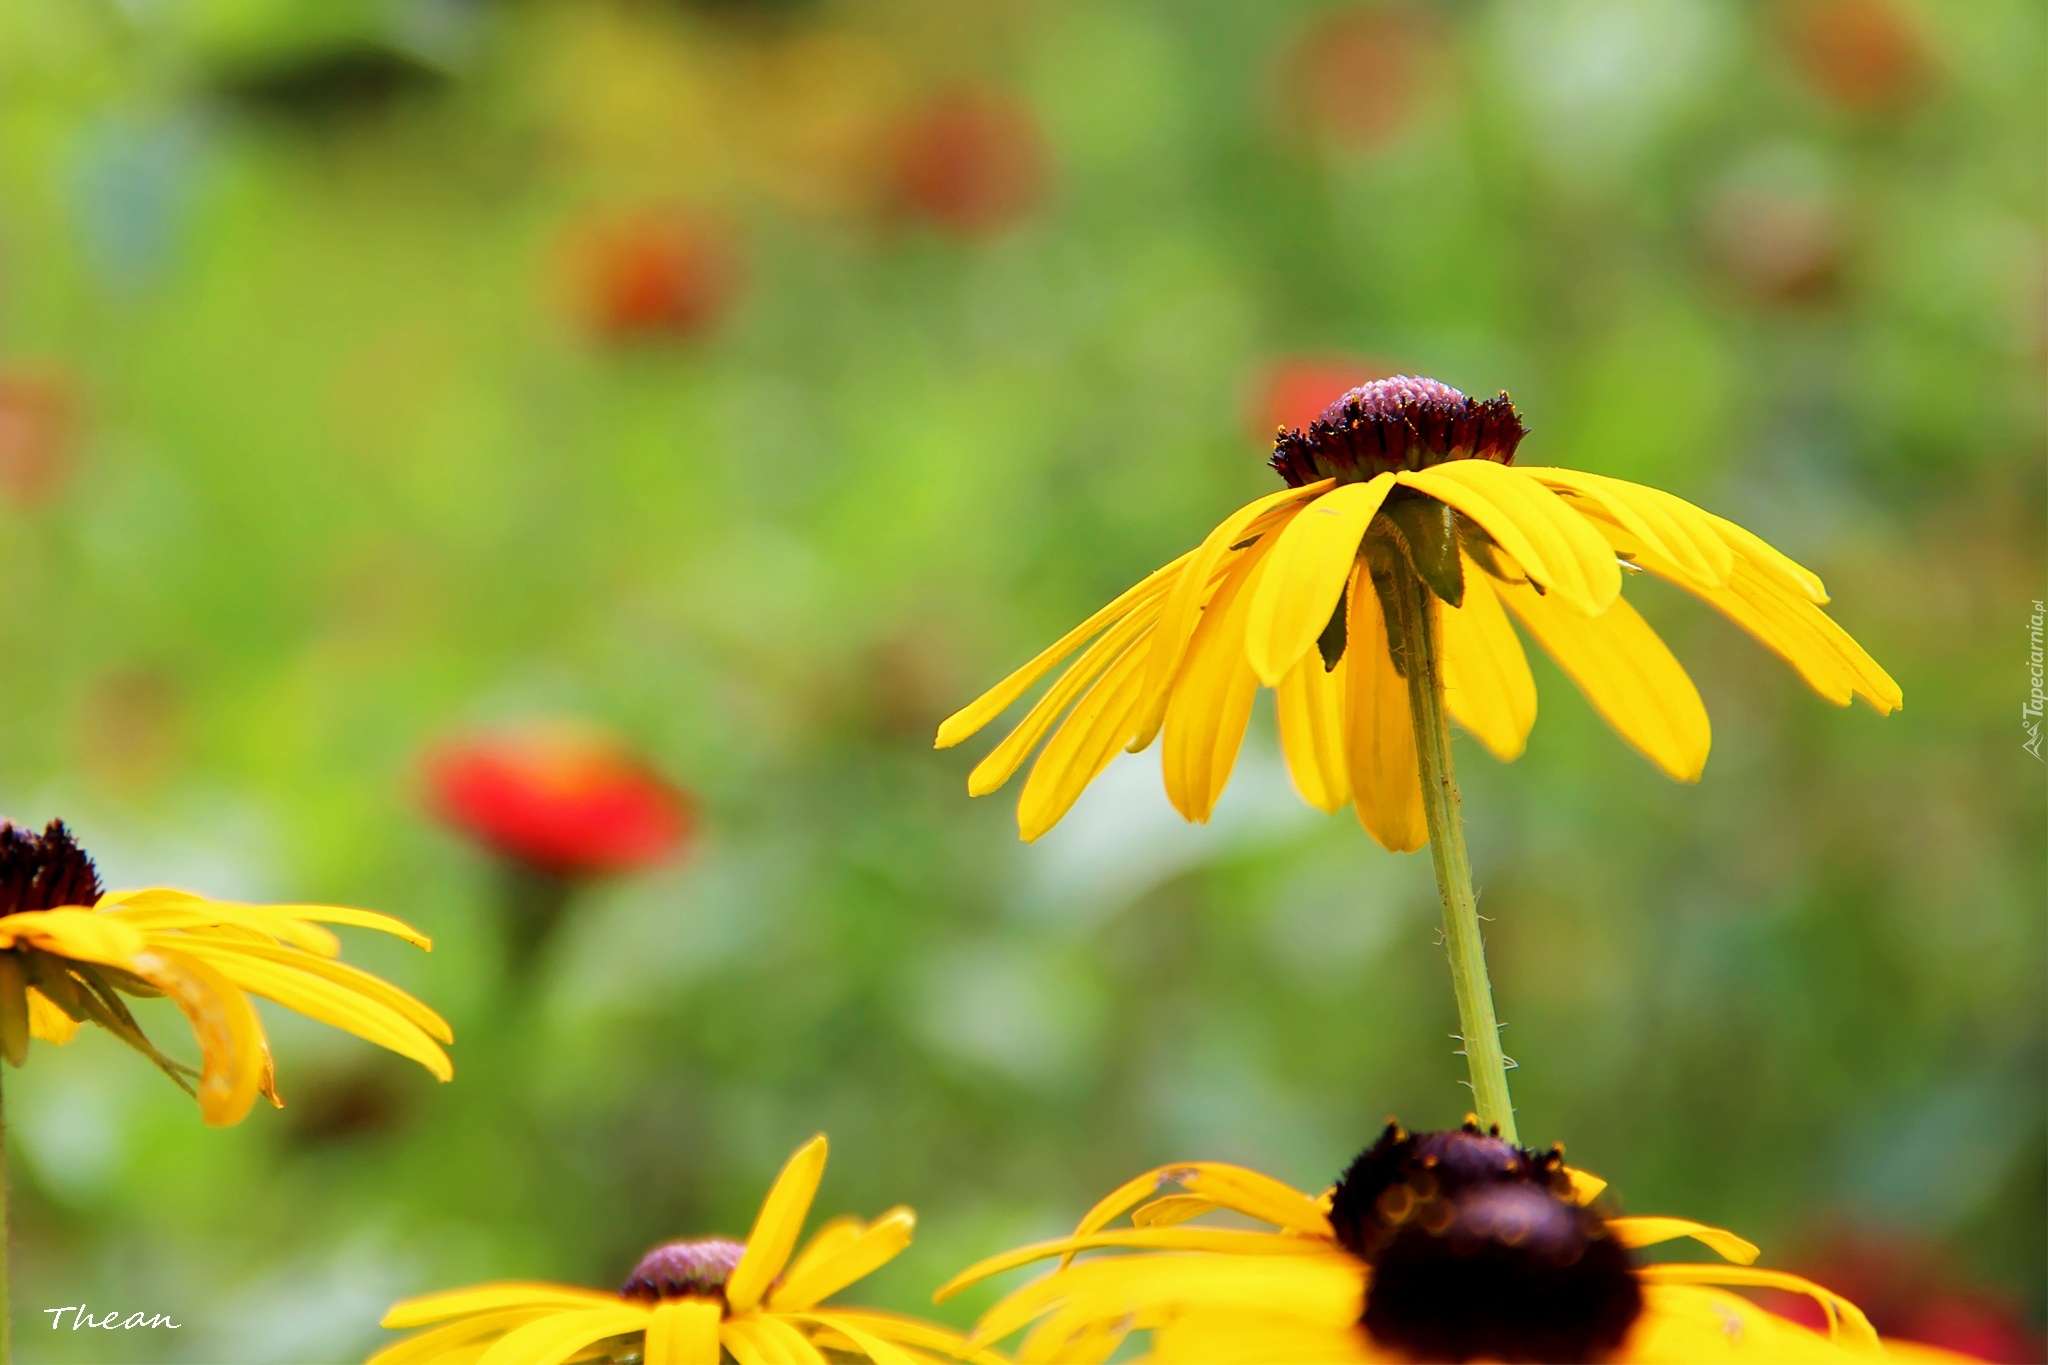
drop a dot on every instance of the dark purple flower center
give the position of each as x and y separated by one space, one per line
684 1270
1400 423
1477 1251
43 871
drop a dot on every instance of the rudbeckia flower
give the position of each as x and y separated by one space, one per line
1448 1246
1402 481
68 954
688 1302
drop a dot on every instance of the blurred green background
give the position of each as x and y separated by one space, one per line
342 409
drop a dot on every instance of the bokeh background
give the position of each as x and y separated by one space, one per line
759 381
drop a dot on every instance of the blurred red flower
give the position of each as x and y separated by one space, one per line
1861 55
37 420
1293 392
970 160
1352 75
1910 1292
565 801
650 273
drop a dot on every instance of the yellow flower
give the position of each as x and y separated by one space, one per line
687 1301
68 953
1292 591
1435 1246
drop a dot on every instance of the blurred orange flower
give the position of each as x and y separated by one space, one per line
38 419
1353 75
561 800
1860 55
970 160
652 273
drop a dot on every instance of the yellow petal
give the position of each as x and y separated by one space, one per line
683 1332
818 1278
1552 541
329 1001
1311 562
1695 1325
1255 1195
763 1340
77 934
1004 760
1670 526
971 718
1643 1232
1237 1241
776 1227
230 1036
465 1338
1211 699
1772 562
1586 1187
1386 783
1487 685
1628 675
1846 1323
46 1021
488 1298
916 1332
1310 708
1171 1210
1084 744
553 1339
353 979
875 1348
1177 619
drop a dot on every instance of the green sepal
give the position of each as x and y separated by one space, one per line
1331 642
105 1008
1382 559
1429 534
13 1009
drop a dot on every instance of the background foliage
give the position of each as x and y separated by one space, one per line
345 470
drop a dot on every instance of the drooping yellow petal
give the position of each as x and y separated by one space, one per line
77 934
352 979
1628 675
1086 741
682 1332
1553 542
553 1339
1695 1325
1179 616
46 1021
1670 526
972 717
1310 565
1487 685
329 1001
1386 783
487 1298
225 1024
1846 1323
1310 708
818 1278
1643 1232
158 908
1197 1335
1211 699
776 1226
763 1339
1004 760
